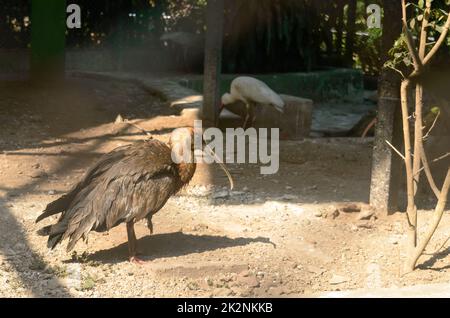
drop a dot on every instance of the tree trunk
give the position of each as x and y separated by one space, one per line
213 62
350 39
386 165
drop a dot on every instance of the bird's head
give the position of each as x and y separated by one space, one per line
182 143
226 100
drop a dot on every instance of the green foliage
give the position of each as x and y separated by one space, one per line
368 51
399 55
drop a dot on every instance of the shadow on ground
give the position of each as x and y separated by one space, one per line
172 245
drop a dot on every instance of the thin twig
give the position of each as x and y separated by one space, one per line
439 249
396 150
126 121
398 71
432 126
438 159
438 213
369 127
429 175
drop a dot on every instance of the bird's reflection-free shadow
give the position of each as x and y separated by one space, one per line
172 245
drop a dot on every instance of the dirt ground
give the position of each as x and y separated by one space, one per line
297 233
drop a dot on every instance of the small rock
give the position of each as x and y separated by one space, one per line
249 281
366 214
334 214
37 174
318 214
351 208
51 192
119 119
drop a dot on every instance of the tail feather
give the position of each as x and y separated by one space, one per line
44 231
56 233
54 240
54 207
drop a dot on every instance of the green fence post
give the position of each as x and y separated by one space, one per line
48 37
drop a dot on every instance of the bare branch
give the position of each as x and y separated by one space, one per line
396 150
438 212
423 31
428 173
126 121
438 159
411 211
432 126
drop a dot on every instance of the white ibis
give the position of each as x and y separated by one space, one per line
251 92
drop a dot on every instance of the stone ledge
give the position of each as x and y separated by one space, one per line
295 123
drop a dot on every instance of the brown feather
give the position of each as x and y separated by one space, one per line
125 185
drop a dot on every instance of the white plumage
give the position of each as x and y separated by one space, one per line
251 91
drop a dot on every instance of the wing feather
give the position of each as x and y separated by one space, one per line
126 184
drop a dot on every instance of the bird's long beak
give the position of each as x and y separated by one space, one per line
210 152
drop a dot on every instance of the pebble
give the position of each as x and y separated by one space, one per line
249 281
366 214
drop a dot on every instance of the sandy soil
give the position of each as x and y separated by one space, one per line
301 232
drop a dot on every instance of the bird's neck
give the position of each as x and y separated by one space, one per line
186 172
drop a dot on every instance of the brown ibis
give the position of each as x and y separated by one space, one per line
129 184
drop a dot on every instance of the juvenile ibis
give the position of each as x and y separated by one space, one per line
251 92
128 184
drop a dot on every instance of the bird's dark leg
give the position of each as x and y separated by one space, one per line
252 115
247 115
132 244
150 223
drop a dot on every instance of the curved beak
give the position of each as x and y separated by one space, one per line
211 153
